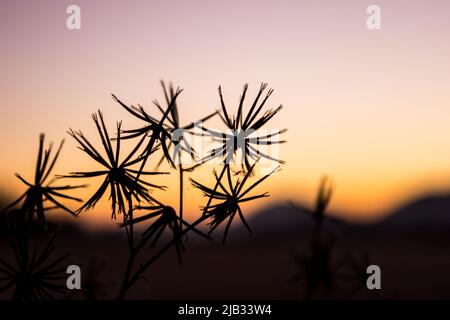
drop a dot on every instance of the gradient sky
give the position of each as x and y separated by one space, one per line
369 108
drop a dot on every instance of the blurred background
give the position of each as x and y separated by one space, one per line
371 109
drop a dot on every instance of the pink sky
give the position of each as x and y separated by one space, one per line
369 108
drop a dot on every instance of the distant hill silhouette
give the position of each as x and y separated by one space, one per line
431 212
281 220
284 220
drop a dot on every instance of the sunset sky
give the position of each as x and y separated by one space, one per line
371 109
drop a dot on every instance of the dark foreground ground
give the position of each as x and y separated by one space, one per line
412 248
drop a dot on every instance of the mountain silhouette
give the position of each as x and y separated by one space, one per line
429 212
282 220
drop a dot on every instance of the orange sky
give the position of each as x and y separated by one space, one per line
370 109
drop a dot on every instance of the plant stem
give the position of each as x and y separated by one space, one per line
132 251
144 160
130 218
124 288
129 282
215 187
181 172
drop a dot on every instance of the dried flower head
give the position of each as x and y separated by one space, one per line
123 182
176 137
155 129
242 131
229 198
41 192
35 276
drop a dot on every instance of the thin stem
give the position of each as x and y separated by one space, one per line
124 287
219 179
144 160
153 138
181 172
130 218
132 251
131 281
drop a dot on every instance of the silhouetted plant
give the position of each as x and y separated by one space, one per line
41 191
35 275
155 129
123 183
355 273
241 135
10 221
93 287
165 217
241 131
164 133
130 194
228 208
173 125
177 139
229 199
323 199
161 133
315 266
